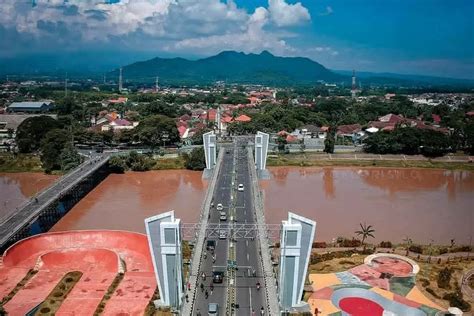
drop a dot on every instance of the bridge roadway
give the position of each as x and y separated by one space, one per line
241 208
32 209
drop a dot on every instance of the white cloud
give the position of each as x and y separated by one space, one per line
205 25
284 14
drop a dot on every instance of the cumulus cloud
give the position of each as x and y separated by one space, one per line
172 25
284 14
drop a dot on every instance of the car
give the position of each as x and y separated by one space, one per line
223 216
213 309
227 151
217 276
240 188
210 245
220 207
222 234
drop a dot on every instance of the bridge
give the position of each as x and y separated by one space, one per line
40 213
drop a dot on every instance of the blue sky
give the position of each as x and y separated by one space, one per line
430 37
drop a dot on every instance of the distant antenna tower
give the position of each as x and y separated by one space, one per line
65 86
354 87
156 84
120 80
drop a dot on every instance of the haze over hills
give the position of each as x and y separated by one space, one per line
230 66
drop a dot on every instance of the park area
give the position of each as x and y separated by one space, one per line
378 284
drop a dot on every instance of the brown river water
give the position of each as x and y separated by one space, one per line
426 205
16 188
123 201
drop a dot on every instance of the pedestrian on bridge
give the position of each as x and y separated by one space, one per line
189 286
202 287
211 286
206 294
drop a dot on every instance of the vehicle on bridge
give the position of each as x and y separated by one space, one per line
240 188
213 309
217 276
223 216
222 234
211 245
220 207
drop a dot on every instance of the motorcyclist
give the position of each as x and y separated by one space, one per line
258 285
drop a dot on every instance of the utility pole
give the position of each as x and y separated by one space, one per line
120 80
65 86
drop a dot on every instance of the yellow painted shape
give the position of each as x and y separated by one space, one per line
319 281
416 295
325 307
387 294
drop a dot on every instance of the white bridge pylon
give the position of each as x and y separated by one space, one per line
237 231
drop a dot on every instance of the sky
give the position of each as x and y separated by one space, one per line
428 37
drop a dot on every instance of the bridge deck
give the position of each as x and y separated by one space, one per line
31 210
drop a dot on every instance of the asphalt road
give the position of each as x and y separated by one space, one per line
221 195
248 259
248 298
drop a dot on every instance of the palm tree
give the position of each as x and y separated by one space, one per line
366 231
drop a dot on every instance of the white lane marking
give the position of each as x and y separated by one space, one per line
250 298
247 242
247 257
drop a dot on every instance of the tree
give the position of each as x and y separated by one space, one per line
366 231
52 145
32 130
281 141
330 140
117 164
69 158
156 130
196 160
408 243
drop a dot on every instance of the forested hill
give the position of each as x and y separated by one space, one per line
232 67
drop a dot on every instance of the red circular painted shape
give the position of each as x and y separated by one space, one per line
356 306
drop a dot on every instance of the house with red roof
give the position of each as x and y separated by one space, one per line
243 118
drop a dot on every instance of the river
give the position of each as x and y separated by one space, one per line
123 201
427 205
16 188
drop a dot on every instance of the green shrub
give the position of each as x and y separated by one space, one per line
456 300
424 282
385 244
416 249
444 277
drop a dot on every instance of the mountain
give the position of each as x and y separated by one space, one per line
230 66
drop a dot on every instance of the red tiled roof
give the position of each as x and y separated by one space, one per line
349 129
181 130
291 138
226 119
243 118
470 113
282 133
436 118
391 118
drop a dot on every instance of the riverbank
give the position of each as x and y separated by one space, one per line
20 163
367 160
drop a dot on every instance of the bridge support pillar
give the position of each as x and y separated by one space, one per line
210 152
261 152
296 240
164 238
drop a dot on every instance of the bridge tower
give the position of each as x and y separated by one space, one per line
164 238
210 150
261 152
296 239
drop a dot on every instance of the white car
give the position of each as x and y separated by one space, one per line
240 188
220 207
223 216
222 234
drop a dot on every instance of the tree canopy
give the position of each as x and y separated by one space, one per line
32 130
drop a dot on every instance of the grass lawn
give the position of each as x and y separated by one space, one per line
337 264
169 163
310 160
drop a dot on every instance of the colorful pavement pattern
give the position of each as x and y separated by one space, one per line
386 283
99 255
